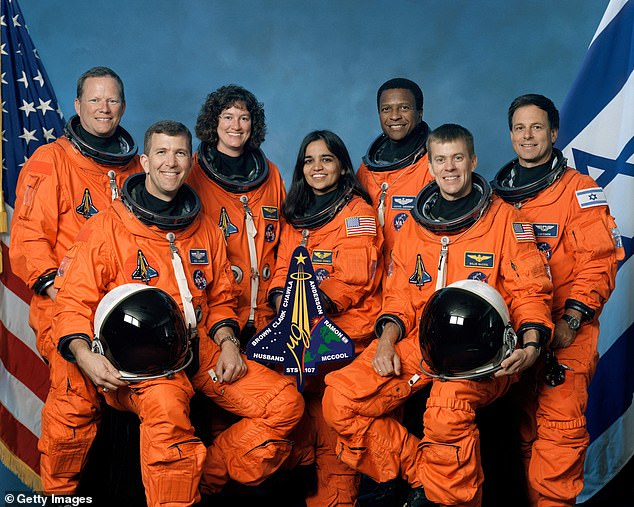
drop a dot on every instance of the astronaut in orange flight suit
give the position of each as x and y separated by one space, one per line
138 240
573 226
346 255
462 231
61 186
242 192
227 208
395 168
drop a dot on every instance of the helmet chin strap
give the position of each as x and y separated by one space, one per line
183 288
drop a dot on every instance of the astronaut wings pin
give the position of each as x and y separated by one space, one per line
302 335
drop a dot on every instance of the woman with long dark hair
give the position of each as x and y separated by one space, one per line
330 214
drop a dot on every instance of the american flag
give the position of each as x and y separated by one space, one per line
356 226
30 117
523 231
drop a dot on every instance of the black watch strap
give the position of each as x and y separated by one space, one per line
534 344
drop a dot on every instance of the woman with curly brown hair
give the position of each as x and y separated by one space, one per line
243 192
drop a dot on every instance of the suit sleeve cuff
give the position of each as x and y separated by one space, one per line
44 282
384 319
64 345
227 322
274 293
587 312
544 332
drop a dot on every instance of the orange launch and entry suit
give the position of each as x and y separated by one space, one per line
393 188
357 401
58 190
234 208
118 248
348 267
575 230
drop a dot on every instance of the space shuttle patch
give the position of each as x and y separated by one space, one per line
143 272
420 276
225 223
86 209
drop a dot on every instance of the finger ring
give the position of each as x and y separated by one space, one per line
104 390
379 370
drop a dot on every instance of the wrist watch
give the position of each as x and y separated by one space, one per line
536 345
573 322
229 338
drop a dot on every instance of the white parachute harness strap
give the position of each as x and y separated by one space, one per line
183 288
304 241
441 279
253 255
381 207
114 189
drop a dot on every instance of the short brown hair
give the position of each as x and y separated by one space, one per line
100 72
451 132
169 128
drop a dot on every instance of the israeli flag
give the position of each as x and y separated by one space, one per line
597 137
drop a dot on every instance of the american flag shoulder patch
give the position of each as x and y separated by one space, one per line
356 226
523 231
590 197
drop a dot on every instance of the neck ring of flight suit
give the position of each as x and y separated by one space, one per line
191 205
371 162
207 161
324 216
503 181
428 197
128 147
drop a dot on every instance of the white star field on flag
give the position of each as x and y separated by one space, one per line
31 115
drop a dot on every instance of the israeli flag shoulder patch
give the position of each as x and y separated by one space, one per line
590 197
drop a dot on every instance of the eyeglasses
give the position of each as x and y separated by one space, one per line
554 371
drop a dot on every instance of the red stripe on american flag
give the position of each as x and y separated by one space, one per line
23 364
19 439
